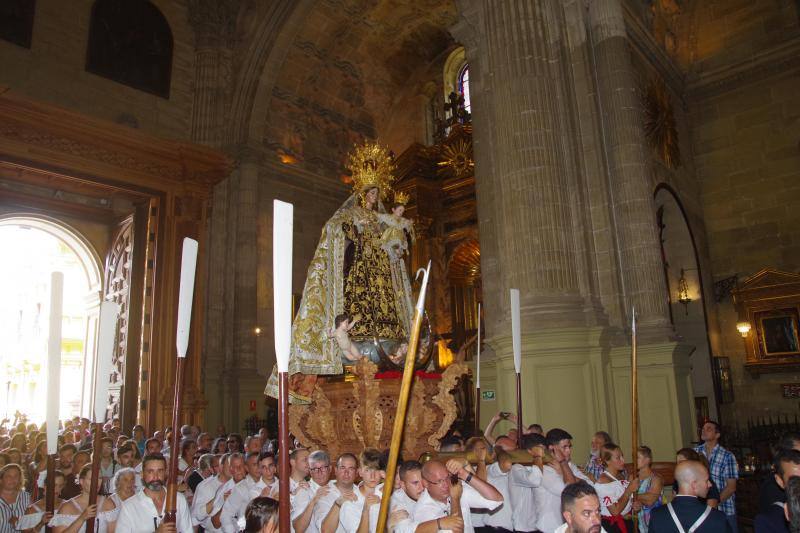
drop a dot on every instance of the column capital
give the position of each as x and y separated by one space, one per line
214 21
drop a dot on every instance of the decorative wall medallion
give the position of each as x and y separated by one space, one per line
660 126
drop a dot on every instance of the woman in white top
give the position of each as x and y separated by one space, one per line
73 514
124 486
36 518
615 493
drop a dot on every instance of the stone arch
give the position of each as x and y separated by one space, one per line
452 70
690 320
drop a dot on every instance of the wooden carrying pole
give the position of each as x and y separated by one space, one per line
516 341
282 235
105 349
634 405
53 386
185 296
402 401
478 377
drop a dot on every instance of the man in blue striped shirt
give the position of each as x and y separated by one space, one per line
723 468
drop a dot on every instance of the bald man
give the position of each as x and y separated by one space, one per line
435 509
686 511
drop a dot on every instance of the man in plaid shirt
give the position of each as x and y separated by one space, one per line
723 468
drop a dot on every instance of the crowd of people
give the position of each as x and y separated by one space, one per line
486 483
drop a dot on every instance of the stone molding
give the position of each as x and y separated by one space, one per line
778 60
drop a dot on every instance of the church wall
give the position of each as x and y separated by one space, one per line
744 140
53 70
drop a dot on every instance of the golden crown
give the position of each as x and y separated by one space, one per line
371 166
401 198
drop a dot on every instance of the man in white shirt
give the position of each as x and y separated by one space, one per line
556 475
144 511
260 481
434 511
352 515
500 519
238 472
298 461
580 509
410 487
303 502
522 482
339 491
203 502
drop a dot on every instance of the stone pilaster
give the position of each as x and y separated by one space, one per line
214 23
631 191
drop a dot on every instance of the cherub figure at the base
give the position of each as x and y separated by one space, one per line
343 324
399 230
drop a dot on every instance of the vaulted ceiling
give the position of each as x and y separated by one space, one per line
346 71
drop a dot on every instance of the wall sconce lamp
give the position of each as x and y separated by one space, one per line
683 292
743 328
257 331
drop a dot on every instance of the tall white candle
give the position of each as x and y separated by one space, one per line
105 352
282 236
188 266
478 358
516 337
54 360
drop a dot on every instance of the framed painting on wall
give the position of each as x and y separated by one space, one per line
778 332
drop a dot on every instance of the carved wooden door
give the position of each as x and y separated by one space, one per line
118 278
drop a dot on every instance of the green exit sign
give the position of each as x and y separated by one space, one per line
487 395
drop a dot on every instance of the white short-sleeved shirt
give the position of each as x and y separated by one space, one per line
350 513
501 516
139 515
301 498
323 507
402 501
206 492
429 509
233 509
548 497
522 482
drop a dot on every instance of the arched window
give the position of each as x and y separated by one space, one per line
463 85
16 21
131 43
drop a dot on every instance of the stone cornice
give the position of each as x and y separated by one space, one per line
779 59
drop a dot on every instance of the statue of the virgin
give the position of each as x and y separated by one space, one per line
350 275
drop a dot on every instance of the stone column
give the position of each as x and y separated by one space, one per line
628 164
524 182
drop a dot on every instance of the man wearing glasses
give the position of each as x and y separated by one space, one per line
340 491
444 505
144 511
260 481
306 498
